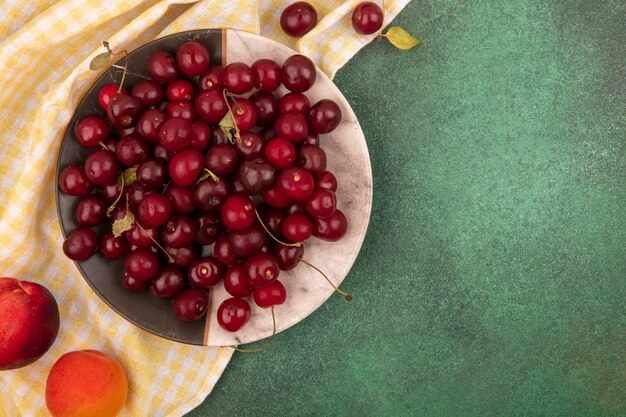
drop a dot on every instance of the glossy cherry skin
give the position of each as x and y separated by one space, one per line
267 74
91 210
262 269
136 192
210 194
270 295
275 198
247 242
141 236
238 78
223 250
185 167
179 231
288 257
91 130
327 181
141 264
175 134
168 282
162 67
244 113
321 204
272 220
183 257
324 116
180 90
81 244
181 108
200 136
280 152
192 58
256 175
212 78
311 158
74 181
296 183
190 305
298 19
331 228
148 92
367 18
236 282
297 227
251 144
233 314
113 247
181 199
298 73
123 110
266 106
107 93
101 167
294 103
210 106
131 150
221 159
111 191
205 272
238 212
292 126
153 172
154 210
210 226
148 124
133 284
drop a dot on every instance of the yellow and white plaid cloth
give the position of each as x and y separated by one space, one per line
45 50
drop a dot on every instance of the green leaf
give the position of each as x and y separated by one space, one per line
400 38
228 126
99 61
123 224
129 176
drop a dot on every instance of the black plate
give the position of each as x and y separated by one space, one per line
105 276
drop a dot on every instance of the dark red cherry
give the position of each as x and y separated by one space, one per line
238 78
205 272
238 212
271 295
168 282
181 199
148 92
288 257
137 191
236 282
331 228
210 226
312 158
211 106
209 194
267 74
133 284
296 183
131 150
175 134
91 130
181 108
292 126
179 231
149 123
162 67
212 79
200 136
185 167
101 167
251 144
154 210
141 236
298 19
223 250
141 264
262 269
233 314
280 152
192 58
74 181
247 242
81 244
298 73
244 113
256 175
190 305
113 247
266 108
297 227
367 18
91 210
275 198
183 257
153 172
123 110
107 93
221 159
327 181
180 90
324 116
294 103
321 204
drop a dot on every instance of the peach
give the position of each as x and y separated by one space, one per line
86 383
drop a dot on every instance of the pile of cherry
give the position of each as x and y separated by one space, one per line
185 161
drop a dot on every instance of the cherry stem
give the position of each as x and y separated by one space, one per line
119 197
104 146
106 45
264 345
170 259
343 293
237 131
207 174
258 216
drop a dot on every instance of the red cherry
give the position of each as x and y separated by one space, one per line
238 212
331 228
367 18
236 282
233 314
190 305
271 295
261 269
298 19
192 58
91 130
185 167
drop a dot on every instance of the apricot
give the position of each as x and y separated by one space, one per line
86 383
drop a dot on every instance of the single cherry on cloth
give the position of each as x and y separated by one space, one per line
192 58
205 272
298 19
91 130
298 73
233 314
190 305
367 18
270 295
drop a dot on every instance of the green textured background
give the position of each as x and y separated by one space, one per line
492 278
